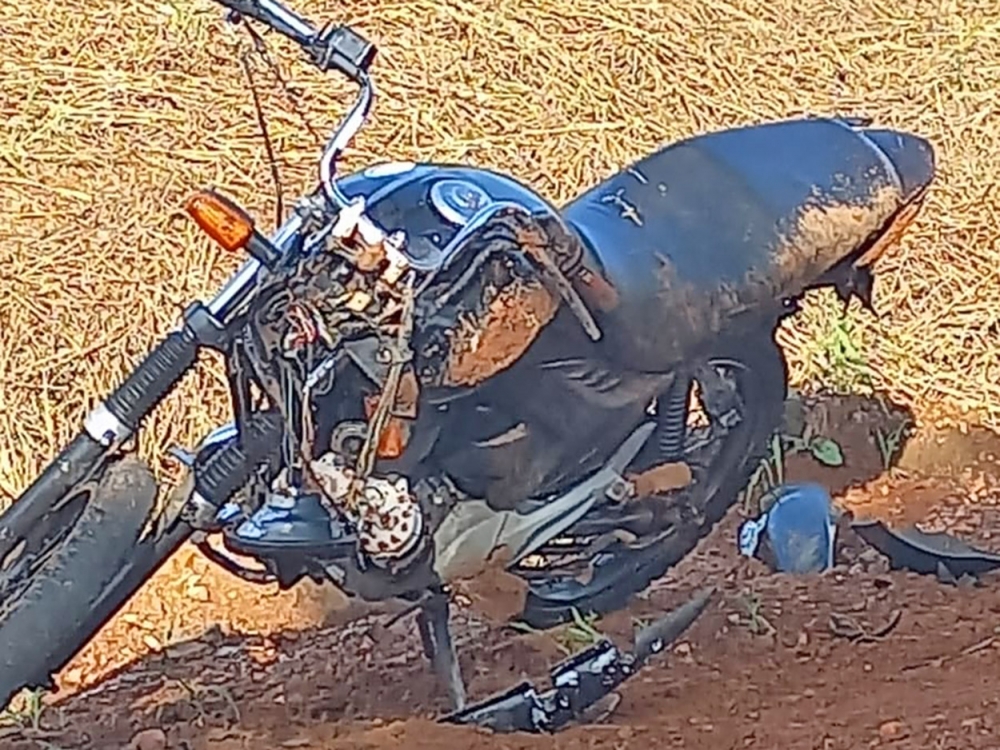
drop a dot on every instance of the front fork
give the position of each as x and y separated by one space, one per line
112 423
117 418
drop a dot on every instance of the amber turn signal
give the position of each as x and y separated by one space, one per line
221 219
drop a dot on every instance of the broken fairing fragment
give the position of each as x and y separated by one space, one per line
579 682
398 264
354 227
353 220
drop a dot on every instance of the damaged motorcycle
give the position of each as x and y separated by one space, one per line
434 369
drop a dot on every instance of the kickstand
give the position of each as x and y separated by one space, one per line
432 620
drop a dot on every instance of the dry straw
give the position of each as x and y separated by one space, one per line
113 111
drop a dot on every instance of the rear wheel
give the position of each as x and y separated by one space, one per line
53 577
618 549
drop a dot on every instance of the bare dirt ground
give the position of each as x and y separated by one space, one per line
200 660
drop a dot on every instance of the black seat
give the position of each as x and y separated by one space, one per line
687 226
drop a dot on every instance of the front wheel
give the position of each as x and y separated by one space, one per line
53 579
618 549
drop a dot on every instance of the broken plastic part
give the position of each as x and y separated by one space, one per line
579 682
912 549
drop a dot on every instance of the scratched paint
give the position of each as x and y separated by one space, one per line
628 211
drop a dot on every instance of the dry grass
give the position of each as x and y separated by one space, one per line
114 111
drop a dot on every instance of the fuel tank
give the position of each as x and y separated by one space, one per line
432 203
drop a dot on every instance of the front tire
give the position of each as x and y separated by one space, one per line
47 618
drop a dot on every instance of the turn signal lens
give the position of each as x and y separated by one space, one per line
221 219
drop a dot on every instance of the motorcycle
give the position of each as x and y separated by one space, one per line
434 370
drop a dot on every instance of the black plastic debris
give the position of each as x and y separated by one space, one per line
939 553
580 682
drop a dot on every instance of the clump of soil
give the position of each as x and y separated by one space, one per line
512 320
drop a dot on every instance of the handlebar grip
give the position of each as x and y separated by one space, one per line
155 375
129 404
227 470
339 48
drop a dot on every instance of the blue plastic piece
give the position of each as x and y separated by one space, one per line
799 527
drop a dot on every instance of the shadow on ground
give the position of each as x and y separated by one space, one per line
357 684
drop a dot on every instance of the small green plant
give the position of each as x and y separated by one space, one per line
570 637
771 471
825 450
755 620
580 634
843 366
25 710
888 443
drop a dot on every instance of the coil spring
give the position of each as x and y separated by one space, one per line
671 419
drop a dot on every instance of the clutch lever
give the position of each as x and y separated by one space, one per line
338 48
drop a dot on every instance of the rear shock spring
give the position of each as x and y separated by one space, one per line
671 419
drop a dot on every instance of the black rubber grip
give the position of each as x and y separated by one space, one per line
230 467
153 378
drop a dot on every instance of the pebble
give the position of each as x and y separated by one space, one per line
149 739
891 730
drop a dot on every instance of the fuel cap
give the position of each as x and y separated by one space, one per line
458 200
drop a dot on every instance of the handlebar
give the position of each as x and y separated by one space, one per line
331 48
118 417
278 17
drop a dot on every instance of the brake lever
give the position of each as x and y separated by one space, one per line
338 48
274 15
